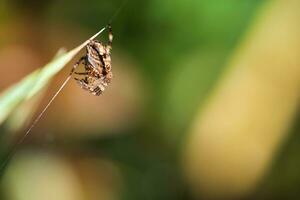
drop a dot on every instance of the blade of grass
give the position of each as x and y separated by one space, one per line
29 86
23 113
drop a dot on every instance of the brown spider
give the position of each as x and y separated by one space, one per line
97 64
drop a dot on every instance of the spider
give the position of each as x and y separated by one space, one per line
97 65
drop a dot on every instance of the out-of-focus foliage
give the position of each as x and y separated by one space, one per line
240 129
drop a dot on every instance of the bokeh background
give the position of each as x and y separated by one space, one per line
204 103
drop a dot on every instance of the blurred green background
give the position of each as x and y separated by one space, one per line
168 59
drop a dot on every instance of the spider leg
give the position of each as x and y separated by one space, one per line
108 47
83 80
83 84
98 90
77 63
81 73
110 36
89 67
99 93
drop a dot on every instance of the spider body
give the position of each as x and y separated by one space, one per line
97 65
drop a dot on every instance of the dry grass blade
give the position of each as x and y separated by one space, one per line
29 86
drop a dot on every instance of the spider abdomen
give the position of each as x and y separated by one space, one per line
97 64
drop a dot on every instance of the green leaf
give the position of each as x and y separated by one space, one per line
33 83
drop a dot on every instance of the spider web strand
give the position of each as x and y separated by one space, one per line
37 119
